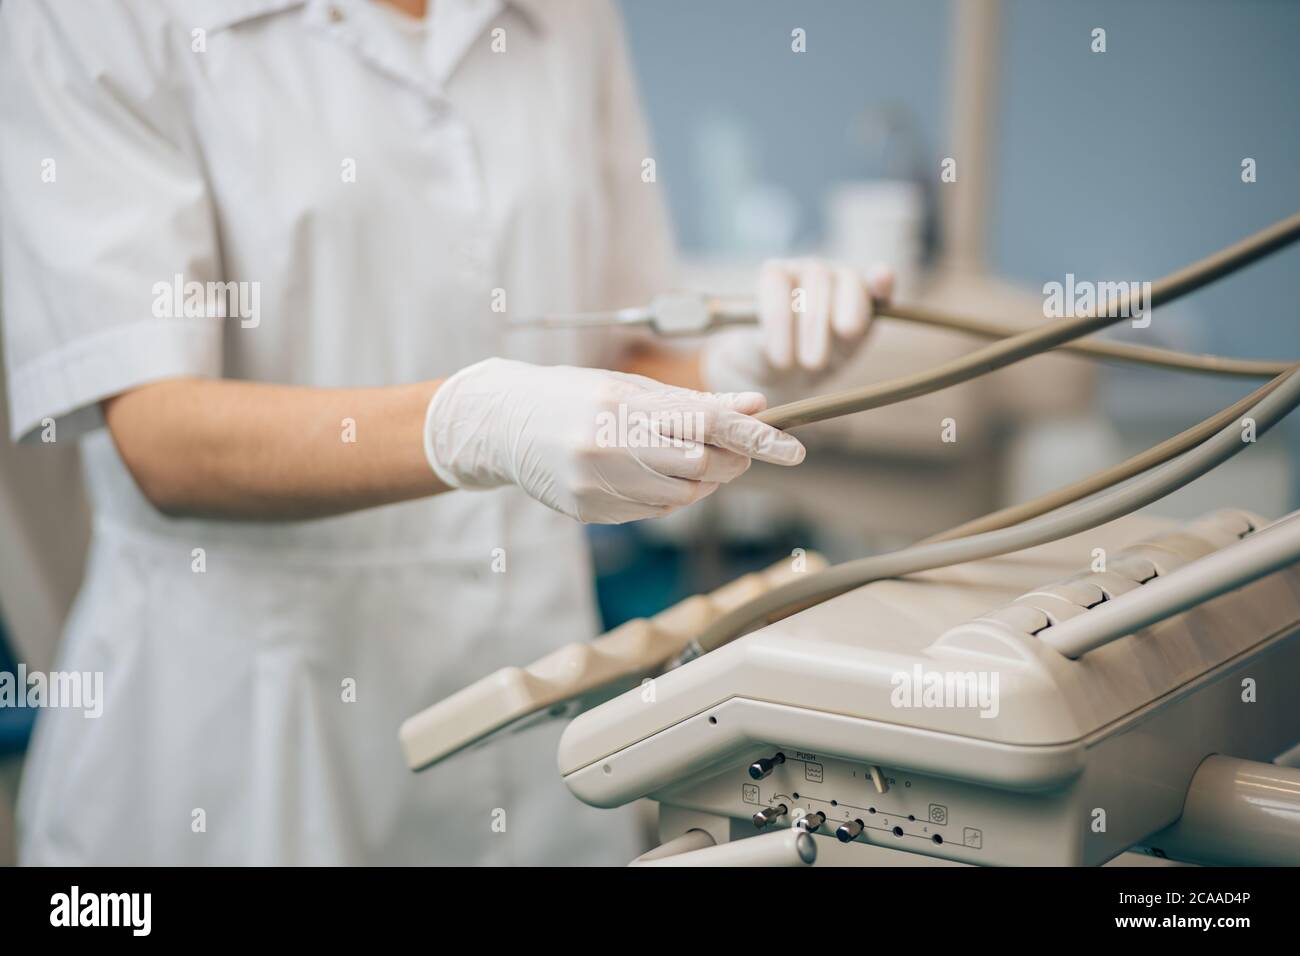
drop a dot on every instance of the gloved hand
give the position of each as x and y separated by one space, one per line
602 447
812 317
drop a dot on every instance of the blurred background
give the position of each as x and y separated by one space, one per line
1122 165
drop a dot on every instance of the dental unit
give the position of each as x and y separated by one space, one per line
1058 683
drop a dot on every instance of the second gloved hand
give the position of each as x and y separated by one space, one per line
812 317
602 447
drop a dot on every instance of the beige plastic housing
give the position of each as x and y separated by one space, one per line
1115 736
580 674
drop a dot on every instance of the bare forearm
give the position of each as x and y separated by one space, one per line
253 451
665 365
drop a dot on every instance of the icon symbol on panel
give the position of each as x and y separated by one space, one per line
938 813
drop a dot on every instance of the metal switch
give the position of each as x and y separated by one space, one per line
812 822
762 767
763 817
849 831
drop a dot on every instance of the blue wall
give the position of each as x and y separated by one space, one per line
703 59
1126 162
1129 161
1119 165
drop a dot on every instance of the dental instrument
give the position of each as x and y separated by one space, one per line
694 314
685 313
578 676
1151 486
669 314
688 313
1023 345
1109 477
1254 556
833 634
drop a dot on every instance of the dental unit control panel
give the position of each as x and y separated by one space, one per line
931 720
930 716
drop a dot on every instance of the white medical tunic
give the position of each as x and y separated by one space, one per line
380 204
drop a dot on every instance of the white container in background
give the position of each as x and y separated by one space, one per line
878 221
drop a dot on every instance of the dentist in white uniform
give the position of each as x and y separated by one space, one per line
354 496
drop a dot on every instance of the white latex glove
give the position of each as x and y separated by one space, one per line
812 317
602 447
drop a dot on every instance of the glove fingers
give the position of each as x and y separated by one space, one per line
814 321
851 312
775 317
747 403
880 282
747 436
713 424
695 461
634 478
618 512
